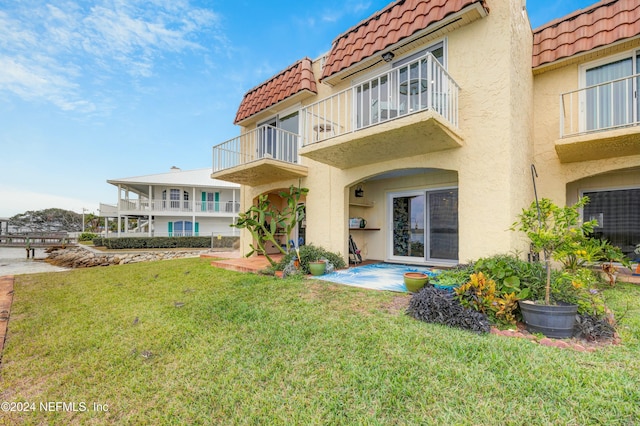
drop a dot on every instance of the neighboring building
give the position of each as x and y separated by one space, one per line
426 120
178 203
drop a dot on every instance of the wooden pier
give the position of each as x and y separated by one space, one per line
33 240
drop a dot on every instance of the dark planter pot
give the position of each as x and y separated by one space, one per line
555 321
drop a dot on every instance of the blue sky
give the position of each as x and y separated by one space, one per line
107 89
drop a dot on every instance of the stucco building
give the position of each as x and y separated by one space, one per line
428 118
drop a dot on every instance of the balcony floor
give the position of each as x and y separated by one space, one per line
598 145
416 134
260 172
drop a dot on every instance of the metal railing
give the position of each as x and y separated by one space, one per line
600 107
407 89
263 142
180 206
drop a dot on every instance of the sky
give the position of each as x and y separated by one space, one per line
109 89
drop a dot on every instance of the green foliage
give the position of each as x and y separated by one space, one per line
48 220
310 253
263 221
580 287
163 242
87 236
454 277
513 275
553 229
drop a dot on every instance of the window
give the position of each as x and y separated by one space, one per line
610 92
181 228
618 216
278 138
424 225
413 84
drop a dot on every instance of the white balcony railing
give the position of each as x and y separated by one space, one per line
263 142
180 206
600 107
410 88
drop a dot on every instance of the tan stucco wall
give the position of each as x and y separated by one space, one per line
490 59
562 181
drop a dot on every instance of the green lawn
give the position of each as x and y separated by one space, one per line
181 342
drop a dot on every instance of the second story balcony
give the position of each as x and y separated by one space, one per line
600 121
264 155
410 110
170 207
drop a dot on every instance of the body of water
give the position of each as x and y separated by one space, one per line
13 261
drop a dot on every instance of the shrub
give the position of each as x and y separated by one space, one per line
310 253
593 328
87 236
164 242
439 306
454 277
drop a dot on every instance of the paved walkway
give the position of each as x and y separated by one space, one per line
6 298
233 261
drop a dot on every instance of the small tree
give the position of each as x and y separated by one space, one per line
553 229
264 220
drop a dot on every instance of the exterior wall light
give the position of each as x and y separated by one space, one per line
388 57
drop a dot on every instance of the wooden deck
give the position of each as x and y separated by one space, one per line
34 240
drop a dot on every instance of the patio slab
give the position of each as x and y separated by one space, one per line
233 261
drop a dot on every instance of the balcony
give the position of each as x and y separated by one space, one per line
408 111
600 121
144 206
264 155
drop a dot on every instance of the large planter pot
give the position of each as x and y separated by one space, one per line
555 321
317 268
414 281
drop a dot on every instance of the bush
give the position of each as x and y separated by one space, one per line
310 253
87 236
439 306
164 242
594 328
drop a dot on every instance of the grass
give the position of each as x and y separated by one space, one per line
179 341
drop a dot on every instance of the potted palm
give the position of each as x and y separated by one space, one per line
551 229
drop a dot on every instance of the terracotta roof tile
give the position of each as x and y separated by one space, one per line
296 78
395 22
604 23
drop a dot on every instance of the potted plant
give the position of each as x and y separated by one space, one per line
551 230
414 281
317 267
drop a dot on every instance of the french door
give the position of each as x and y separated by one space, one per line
424 225
611 93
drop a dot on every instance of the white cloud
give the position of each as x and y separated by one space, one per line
51 52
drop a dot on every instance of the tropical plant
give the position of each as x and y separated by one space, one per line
553 229
310 253
264 220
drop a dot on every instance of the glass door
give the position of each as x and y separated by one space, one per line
609 95
424 226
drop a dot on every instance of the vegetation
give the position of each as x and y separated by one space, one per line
164 242
309 253
553 229
87 236
181 342
440 307
48 220
264 221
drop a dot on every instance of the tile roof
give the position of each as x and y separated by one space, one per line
395 22
604 23
296 78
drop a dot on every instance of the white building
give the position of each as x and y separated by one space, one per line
177 203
